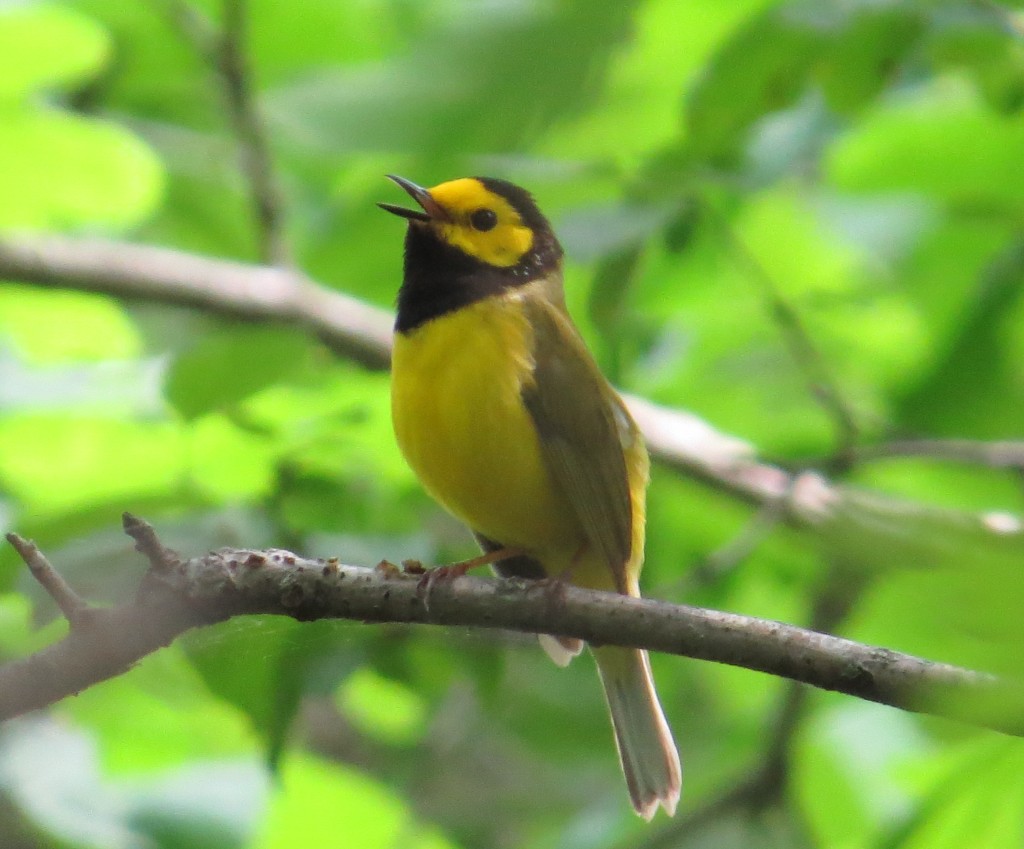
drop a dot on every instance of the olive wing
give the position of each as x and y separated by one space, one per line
584 432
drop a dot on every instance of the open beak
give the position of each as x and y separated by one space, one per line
432 210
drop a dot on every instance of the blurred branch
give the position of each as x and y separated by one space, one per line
350 327
1006 454
177 594
744 795
725 559
358 331
133 272
822 383
224 50
69 602
1012 20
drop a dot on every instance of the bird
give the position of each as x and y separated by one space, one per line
507 421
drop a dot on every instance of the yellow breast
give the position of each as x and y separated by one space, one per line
461 424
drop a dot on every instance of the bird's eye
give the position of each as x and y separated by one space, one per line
483 219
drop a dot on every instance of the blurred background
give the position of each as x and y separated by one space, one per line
801 221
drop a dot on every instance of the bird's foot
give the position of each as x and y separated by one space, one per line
555 586
443 574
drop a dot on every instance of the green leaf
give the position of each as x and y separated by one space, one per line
159 715
381 707
976 386
228 366
263 664
42 45
867 333
20 635
241 662
53 462
980 804
213 805
761 69
844 775
942 144
595 232
980 42
51 773
478 86
640 104
65 326
321 804
59 171
284 43
867 56
228 463
340 468
948 583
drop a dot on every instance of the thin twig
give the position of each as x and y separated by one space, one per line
265 193
821 382
161 559
225 52
726 558
1005 454
194 26
69 602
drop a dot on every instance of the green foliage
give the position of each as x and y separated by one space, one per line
231 366
62 169
44 46
321 803
857 160
362 697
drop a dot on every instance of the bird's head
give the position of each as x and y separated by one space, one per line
489 221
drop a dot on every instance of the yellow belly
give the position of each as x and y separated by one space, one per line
462 426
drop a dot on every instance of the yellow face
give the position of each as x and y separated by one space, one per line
480 222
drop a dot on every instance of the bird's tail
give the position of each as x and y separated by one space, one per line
648 753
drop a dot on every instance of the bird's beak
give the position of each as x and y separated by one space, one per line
432 210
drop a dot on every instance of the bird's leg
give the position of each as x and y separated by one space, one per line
457 570
554 585
560 649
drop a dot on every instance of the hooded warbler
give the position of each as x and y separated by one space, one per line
504 416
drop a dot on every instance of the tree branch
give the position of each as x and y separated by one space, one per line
178 594
348 326
248 124
353 329
135 272
69 602
999 454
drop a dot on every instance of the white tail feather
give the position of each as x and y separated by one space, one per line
650 761
560 649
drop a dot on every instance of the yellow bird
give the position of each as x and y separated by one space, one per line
506 419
